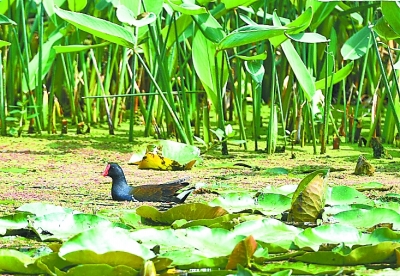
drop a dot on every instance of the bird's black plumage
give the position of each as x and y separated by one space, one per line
166 192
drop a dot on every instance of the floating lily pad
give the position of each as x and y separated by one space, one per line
12 222
188 212
327 234
362 218
13 261
13 170
340 195
105 245
41 209
61 226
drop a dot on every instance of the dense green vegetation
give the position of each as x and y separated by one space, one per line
174 65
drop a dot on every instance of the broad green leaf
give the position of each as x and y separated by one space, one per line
50 262
14 221
211 243
321 11
298 25
235 202
337 76
308 38
13 170
362 218
327 234
125 15
188 212
383 252
101 269
227 221
206 61
340 195
183 153
266 231
165 238
309 198
272 204
276 171
262 56
41 209
60 226
50 5
357 45
256 70
180 25
209 26
300 268
283 190
287 272
382 28
76 5
4 20
395 206
105 245
379 235
299 69
136 6
390 11
78 48
230 4
5 5
335 209
194 259
248 35
367 186
187 8
47 61
13 261
99 27
130 218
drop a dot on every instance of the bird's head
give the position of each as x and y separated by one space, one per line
112 169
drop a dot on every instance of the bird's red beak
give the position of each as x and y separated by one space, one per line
105 173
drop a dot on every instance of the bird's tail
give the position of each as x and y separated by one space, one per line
182 196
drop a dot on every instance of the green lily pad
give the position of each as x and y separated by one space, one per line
301 268
327 234
235 202
100 269
51 262
12 222
41 209
192 211
105 245
266 231
340 195
61 226
13 170
283 190
362 218
383 252
275 171
13 261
